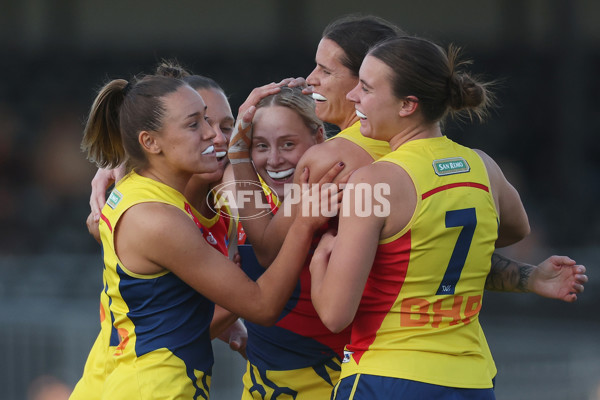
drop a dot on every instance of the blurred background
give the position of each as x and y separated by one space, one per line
55 55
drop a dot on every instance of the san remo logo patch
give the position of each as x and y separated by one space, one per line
451 166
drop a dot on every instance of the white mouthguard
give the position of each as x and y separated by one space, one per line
281 174
209 150
360 115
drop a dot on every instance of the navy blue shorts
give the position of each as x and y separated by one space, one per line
370 387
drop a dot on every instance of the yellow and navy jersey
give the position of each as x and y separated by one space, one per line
375 148
102 361
298 357
155 314
418 317
299 339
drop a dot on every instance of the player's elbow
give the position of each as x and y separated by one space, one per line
335 322
512 235
265 316
514 223
267 311
337 326
264 258
525 230
266 321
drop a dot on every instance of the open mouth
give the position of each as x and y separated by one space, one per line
277 175
361 115
318 97
209 150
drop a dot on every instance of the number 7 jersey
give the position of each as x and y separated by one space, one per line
418 317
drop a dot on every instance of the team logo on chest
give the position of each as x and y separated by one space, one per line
114 198
211 239
347 355
451 166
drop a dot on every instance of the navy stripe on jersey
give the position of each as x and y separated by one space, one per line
182 326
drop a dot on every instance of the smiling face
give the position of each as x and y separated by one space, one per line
375 104
331 81
279 138
186 139
220 118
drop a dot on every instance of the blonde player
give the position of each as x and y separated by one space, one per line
161 275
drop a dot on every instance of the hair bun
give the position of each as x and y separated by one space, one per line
171 69
464 91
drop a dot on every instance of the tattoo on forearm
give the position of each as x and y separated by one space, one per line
507 275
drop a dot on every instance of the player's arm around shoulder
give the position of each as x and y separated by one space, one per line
170 240
319 159
514 224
